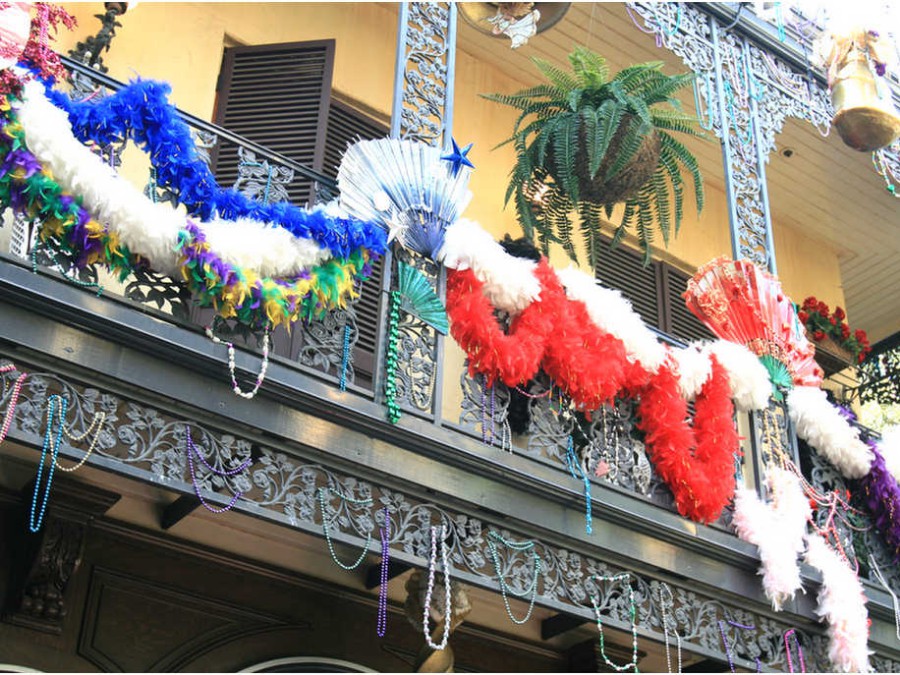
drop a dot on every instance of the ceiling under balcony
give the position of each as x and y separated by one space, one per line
824 189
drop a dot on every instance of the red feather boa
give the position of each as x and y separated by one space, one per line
697 464
592 367
512 358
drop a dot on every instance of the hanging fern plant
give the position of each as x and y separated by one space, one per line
585 142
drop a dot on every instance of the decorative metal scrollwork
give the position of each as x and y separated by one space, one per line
149 444
325 342
428 45
160 291
418 346
262 180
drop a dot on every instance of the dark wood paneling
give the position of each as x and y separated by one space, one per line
655 291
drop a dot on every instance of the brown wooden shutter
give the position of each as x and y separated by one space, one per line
277 96
347 125
680 322
368 315
654 291
623 269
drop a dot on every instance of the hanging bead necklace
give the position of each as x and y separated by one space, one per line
664 606
742 626
381 625
97 422
578 473
787 649
355 502
262 370
345 356
13 400
432 564
191 451
36 518
390 360
522 547
632 610
505 436
53 259
880 577
884 170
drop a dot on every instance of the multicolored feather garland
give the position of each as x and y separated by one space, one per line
139 233
141 112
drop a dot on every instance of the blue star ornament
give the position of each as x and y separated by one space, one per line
458 158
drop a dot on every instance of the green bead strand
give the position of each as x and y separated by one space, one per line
390 360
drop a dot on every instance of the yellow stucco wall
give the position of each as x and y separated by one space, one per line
182 43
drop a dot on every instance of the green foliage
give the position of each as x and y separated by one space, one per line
567 125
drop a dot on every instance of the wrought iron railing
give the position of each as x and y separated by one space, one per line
426 388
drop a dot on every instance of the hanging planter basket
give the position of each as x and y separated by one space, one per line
624 185
574 129
831 357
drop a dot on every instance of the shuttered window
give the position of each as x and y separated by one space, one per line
277 96
280 97
655 291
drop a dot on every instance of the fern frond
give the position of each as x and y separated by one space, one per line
565 146
590 68
609 117
563 228
591 227
544 90
628 147
670 166
639 108
661 202
525 214
672 120
645 220
663 89
642 77
627 217
589 128
687 160
557 76
632 75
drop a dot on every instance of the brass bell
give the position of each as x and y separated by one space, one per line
865 121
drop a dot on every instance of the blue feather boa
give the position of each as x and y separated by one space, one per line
141 112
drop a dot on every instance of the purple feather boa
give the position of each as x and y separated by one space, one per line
882 495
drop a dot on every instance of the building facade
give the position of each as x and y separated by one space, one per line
207 531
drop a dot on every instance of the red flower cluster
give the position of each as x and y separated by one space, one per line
821 323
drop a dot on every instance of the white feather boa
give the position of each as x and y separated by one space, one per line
509 282
842 605
748 377
611 312
511 285
777 530
694 369
148 228
820 424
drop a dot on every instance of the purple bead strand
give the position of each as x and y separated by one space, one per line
191 450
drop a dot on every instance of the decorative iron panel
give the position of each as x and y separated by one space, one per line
148 444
